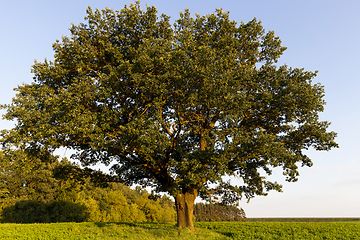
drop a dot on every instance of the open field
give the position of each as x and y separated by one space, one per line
286 230
303 219
217 230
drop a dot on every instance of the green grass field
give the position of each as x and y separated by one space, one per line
217 230
303 219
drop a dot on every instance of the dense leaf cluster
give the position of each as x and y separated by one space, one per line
36 191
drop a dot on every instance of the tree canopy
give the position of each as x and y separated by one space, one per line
174 107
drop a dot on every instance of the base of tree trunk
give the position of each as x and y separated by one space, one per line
185 208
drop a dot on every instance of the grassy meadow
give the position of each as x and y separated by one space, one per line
204 230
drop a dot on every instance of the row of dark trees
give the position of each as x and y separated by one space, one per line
42 189
218 212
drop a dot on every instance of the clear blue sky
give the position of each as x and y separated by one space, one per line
320 35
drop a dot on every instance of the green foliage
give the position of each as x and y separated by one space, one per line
32 211
52 191
176 108
25 177
218 213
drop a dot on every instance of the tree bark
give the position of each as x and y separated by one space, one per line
185 208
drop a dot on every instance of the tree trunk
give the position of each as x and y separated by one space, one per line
185 208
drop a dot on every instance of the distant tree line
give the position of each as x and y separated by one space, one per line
37 187
218 212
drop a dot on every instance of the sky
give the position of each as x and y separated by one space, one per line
319 35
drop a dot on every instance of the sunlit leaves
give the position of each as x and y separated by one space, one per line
177 107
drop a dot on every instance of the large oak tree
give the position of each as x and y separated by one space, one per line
174 107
